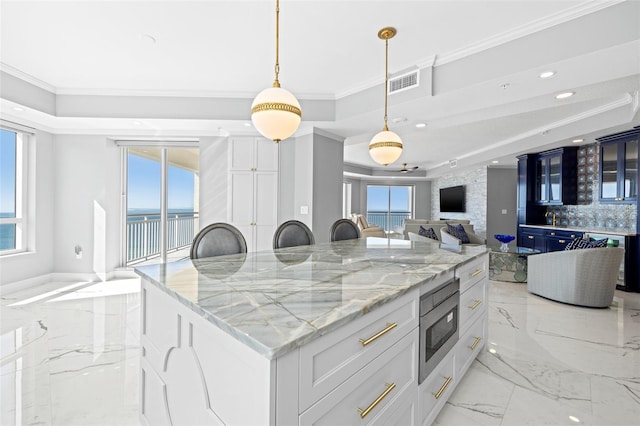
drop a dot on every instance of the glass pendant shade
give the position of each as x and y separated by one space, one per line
385 147
276 113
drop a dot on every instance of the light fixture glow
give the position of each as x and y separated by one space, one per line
421 125
19 109
565 95
386 146
495 162
574 419
547 74
493 351
577 140
275 112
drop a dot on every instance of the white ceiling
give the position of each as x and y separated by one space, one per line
329 51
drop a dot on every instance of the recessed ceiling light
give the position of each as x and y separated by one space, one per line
421 125
399 120
577 140
495 162
574 419
547 74
247 124
565 95
504 86
18 109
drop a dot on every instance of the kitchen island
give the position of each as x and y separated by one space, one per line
322 334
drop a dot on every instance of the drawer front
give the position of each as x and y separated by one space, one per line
559 233
329 360
470 345
375 393
557 243
472 272
437 388
473 303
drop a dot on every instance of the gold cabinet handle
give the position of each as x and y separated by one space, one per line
363 413
531 237
475 343
390 326
562 241
475 305
573 235
442 388
476 272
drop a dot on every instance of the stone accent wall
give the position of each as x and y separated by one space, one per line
475 183
589 212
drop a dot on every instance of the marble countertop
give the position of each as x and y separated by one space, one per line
591 229
275 301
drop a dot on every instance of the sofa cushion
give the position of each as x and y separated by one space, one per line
429 233
580 243
458 232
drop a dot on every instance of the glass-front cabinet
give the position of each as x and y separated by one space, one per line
556 177
619 168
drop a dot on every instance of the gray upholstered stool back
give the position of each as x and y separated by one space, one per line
344 229
218 239
292 233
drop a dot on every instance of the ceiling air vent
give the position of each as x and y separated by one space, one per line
404 82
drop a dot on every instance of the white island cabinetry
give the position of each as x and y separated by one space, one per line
209 356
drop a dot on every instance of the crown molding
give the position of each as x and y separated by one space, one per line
27 77
620 102
528 29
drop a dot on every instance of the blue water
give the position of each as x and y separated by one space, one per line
7 234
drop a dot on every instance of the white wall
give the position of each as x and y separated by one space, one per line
214 165
39 260
87 204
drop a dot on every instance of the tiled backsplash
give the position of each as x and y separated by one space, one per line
589 212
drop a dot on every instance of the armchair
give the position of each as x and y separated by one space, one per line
585 277
365 229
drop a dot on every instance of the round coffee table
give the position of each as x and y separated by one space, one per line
510 265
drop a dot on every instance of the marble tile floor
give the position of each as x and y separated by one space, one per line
69 356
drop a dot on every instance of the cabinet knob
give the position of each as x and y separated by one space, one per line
573 235
531 237
562 241
553 233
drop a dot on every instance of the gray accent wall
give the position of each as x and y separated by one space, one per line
502 185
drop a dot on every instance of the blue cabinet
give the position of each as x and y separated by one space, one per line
619 168
556 177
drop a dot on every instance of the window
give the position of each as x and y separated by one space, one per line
13 232
346 199
389 206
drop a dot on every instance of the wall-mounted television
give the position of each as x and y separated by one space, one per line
452 199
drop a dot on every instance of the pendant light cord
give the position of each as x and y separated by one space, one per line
276 83
386 80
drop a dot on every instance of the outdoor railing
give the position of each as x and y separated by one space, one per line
143 234
380 218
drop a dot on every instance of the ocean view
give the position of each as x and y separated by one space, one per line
7 234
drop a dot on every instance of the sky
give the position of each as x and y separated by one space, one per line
378 198
144 185
7 171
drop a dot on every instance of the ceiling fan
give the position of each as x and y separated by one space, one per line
404 169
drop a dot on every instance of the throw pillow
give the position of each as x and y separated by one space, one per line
580 243
458 232
599 243
429 233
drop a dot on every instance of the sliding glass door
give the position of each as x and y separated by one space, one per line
388 206
162 203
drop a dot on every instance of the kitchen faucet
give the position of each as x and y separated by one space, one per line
553 217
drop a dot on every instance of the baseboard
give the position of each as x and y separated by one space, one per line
25 284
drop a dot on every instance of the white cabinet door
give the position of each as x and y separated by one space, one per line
242 153
266 212
266 155
241 204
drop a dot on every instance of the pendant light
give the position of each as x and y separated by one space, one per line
275 112
386 146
